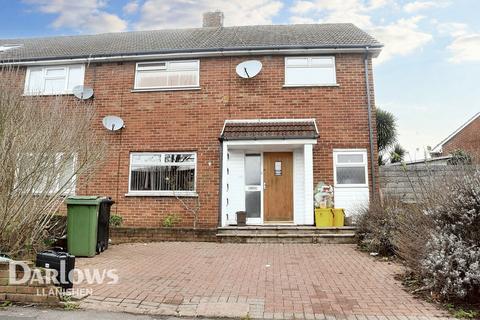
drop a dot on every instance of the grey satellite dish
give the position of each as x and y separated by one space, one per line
249 69
82 92
113 123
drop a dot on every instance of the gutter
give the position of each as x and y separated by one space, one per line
223 52
370 125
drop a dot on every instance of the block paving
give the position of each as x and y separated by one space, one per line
265 281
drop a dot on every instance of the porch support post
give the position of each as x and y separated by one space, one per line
224 180
308 163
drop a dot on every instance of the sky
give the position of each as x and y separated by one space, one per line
427 75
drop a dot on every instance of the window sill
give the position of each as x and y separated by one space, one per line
162 194
310 85
345 186
166 89
47 94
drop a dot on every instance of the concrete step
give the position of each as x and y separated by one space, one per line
286 234
279 229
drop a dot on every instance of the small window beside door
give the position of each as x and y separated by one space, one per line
350 168
253 185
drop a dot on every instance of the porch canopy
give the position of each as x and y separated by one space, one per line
265 129
267 170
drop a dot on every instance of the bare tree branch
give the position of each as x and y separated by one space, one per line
46 144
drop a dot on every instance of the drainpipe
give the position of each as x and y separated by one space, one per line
370 128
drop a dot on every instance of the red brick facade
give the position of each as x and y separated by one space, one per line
192 120
467 139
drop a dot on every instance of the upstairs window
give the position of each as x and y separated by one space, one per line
310 71
53 80
350 168
162 173
167 74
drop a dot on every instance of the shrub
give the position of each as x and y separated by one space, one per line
438 237
452 264
116 220
390 226
376 225
460 157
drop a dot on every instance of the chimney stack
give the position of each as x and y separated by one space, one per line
213 19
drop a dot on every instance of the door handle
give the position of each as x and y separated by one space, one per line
264 186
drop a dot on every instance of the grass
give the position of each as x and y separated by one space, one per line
5 304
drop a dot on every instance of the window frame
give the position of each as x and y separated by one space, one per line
71 190
163 193
44 69
166 88
286 84
364 163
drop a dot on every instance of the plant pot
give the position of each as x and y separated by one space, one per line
241 218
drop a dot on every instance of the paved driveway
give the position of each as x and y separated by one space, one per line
270 281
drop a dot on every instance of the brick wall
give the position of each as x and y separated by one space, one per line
192 121
30 292
468 140
135 234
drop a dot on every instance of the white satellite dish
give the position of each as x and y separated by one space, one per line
82 92
113 123
249 69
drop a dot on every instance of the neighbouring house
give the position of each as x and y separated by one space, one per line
197 130
466 138
439 160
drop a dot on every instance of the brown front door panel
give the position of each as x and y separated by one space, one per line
278 180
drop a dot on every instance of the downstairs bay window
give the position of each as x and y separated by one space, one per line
162 174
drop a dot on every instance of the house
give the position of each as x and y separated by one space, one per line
197 133
440 161
466 138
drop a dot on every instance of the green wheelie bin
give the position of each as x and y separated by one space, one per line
82 224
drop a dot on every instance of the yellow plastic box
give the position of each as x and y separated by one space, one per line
338 217
323 217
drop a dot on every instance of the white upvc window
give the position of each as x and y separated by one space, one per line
52 80
310 71
175 74
350 168
163 173
54 174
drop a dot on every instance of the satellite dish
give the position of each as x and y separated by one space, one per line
113 123
82 92
249 69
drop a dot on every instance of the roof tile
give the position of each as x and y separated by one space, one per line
339 35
